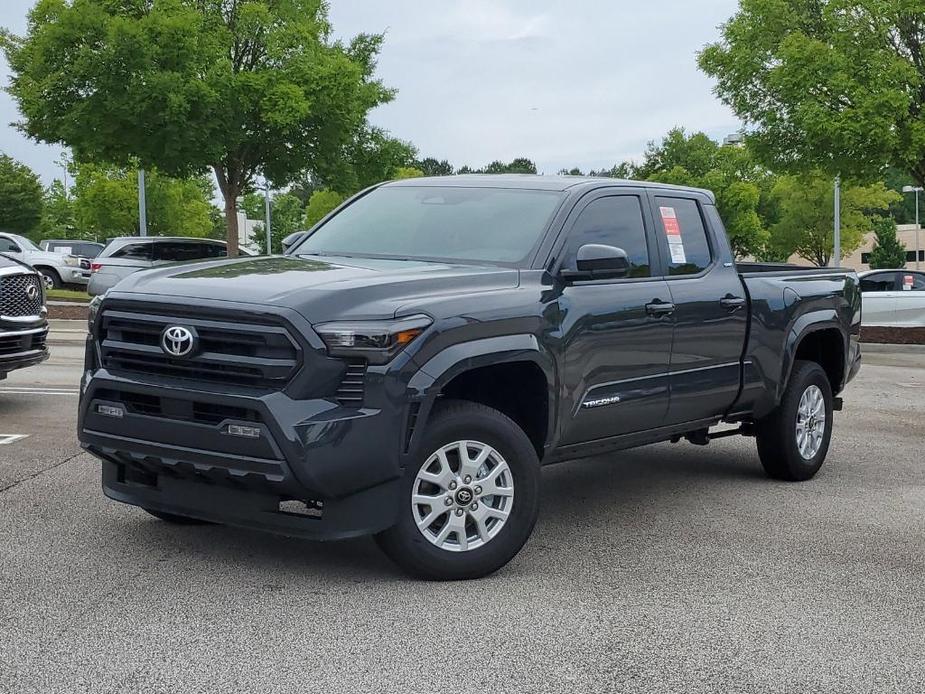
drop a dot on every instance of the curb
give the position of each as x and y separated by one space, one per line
888 348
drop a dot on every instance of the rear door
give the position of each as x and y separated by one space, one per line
711 313
910 301
615 341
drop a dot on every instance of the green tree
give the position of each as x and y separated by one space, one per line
888 251
518 165
731 172
837 85
407 172
806 221
58 218
241 87
106 203
321 202
21 197
431 167
285 218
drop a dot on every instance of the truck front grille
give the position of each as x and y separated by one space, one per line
229 351
15 301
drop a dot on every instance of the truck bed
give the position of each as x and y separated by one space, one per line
784 302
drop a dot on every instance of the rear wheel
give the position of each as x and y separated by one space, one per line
470 500
794 439
175 519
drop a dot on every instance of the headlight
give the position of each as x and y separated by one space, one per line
376 341
93 310
72 261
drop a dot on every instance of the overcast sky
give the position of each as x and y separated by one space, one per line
566 84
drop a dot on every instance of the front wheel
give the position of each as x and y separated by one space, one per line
794 439
50 278
470 500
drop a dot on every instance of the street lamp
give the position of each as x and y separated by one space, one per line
916 190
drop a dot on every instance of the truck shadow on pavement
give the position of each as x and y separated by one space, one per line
603 491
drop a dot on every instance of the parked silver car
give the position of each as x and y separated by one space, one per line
125 255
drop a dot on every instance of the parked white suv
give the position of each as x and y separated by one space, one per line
894 298
57 269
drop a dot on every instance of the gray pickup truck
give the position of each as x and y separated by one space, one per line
413 360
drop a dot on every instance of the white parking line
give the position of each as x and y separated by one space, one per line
26 390
10 438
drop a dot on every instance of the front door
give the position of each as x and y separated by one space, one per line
615 334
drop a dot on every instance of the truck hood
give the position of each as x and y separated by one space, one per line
321 289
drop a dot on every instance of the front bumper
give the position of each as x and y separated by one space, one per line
316 470
22 346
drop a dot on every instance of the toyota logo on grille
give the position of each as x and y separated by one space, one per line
178 341
32 291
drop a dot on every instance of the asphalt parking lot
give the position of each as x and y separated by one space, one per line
673 568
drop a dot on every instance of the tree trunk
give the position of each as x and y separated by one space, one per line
229 190
231 223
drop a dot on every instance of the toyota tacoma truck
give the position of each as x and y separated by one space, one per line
410 364
23 325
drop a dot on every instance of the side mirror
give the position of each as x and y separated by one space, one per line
292 240
596 261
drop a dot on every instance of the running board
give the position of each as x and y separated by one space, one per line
701 437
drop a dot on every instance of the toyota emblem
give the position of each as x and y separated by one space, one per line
178 341
32 291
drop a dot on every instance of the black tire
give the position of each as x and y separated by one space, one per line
456 421
776 434
52 275
175 519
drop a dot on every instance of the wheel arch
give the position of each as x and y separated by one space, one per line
823 341
511 373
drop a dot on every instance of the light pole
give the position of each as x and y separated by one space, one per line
266 201
918 249
837 251
142 207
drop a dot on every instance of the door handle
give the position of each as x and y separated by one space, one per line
733 303
660 308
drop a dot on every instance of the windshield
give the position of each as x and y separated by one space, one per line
497 225
24 243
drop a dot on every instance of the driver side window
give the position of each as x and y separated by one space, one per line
7 246
612 221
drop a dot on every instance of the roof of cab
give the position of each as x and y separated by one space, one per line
539 182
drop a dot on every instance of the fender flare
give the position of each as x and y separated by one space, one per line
431 377
802 327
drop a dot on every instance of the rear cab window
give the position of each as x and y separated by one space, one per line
683 236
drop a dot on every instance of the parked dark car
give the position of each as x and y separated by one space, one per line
23 326
82 249
411 363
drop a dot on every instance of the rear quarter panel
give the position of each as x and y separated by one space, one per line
786 307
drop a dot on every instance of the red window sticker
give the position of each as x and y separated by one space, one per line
670 221
907 282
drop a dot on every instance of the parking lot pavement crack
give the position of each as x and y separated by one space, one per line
40 472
